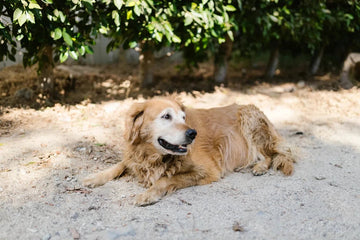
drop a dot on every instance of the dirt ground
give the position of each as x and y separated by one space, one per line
45 151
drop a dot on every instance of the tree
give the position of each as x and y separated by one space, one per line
281 26
49 31
341 32
195 28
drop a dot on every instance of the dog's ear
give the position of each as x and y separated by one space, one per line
175 98
133 123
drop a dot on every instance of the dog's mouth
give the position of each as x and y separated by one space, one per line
171 147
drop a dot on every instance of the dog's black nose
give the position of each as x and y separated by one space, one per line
191 134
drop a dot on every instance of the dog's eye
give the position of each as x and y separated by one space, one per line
166 116
184 117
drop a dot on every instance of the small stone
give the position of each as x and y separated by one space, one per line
32 230
47 237
75 234
338 166
93 208
75 216
320 177
333 184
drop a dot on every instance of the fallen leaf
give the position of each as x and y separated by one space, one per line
237 227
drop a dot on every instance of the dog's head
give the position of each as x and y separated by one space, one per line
161 122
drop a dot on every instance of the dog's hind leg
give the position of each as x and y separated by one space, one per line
103 177
261 134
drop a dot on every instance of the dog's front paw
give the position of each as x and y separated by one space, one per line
146 199
260 169
93 181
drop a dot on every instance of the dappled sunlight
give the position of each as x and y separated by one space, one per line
45 154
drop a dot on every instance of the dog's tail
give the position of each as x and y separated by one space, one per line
284 158
107 175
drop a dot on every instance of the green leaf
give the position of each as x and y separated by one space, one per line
67 38
128 14
230 8
103 30
89 50
274 19
176 39
116 17
24 3
118 3
132 44
64 56
158 36
57 34
34 5
239 4
1 26
62 16
19 37
82 50
74 55
88 1
130 3
48 1
137 10
30 17
188 21
22 18
231 35
17 14
221 40
88 4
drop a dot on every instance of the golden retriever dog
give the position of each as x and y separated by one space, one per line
169 146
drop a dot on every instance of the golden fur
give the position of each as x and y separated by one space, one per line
228 138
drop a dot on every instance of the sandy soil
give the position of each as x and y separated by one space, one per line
45 153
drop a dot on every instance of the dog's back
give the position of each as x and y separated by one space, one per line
238 136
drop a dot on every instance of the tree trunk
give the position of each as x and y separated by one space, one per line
146 59
315 63
273 62
46 74
221 61
349 63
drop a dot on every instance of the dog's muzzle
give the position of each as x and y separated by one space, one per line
190 135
